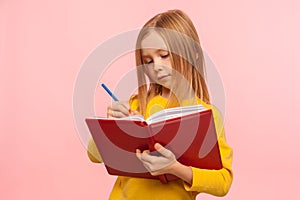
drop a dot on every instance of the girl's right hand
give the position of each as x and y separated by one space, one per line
118 110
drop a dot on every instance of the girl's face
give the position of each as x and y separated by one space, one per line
156 59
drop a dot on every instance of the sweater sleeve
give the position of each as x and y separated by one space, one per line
93 152
215 182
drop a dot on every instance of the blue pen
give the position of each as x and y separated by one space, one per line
109 92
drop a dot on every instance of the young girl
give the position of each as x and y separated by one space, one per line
168 52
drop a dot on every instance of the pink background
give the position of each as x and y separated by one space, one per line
254 44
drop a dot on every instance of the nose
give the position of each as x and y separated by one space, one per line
158 65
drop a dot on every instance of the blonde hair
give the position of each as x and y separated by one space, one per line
186 55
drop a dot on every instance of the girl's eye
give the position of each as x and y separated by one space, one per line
148 62
165 56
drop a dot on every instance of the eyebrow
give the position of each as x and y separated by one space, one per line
145 55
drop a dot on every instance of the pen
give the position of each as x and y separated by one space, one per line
109 92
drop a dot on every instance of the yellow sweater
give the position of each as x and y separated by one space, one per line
215 182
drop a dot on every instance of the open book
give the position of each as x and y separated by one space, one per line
189 132
167 114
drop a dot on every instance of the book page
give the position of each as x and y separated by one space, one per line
174 112
163 115
132 118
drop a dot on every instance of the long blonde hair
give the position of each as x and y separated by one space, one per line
186 55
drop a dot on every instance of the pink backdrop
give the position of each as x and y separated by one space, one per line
254 44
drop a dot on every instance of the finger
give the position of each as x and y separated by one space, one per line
146 151
155 173
141 157
114 113
163 151
125 107
133 112
138 154
118 110
117 114
146 158
108 111
120 107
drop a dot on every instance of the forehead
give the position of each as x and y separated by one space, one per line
153 41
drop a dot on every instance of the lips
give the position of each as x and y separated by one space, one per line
162 77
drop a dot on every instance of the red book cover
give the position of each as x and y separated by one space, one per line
192 138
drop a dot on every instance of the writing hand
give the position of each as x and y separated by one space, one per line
119 109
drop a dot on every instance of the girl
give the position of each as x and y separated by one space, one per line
168 52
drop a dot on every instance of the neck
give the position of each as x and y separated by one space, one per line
165 92
187 94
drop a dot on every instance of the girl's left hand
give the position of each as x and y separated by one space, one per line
157 165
